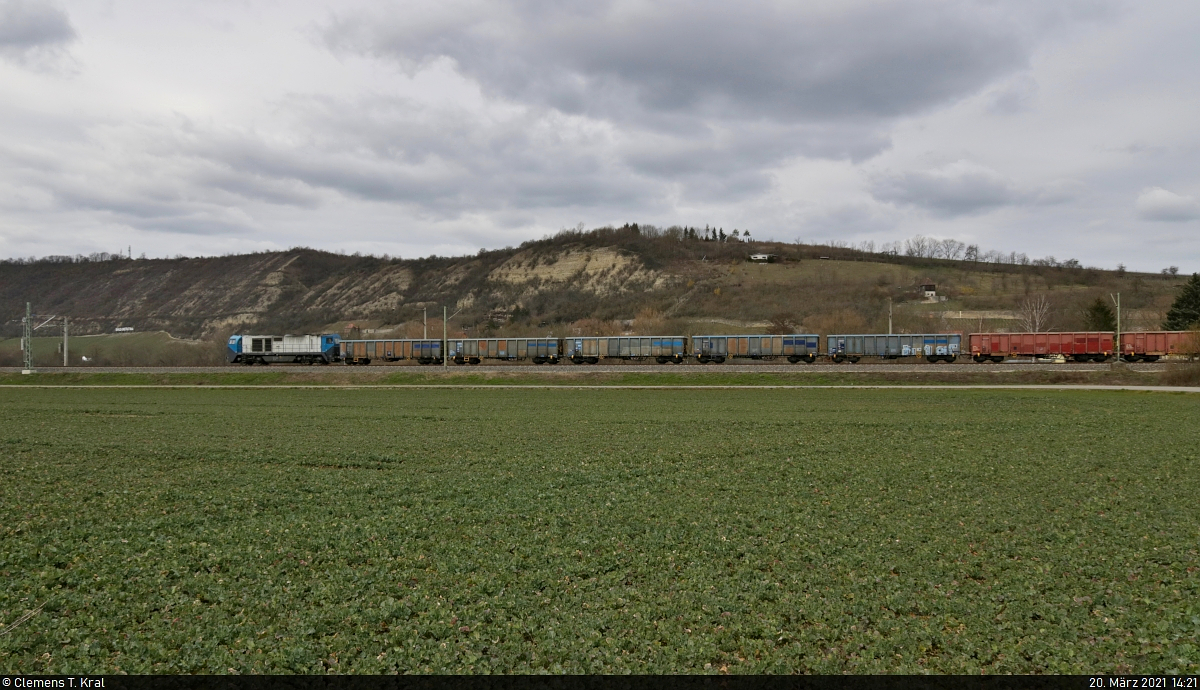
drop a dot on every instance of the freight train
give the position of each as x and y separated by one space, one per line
1089 346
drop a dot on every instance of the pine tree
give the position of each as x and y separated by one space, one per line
1185 312
1099 317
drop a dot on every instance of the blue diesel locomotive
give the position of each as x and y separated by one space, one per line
284 349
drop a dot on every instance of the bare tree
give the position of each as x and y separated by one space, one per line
952 249
917 246
1034 314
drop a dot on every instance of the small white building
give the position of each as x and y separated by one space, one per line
764 258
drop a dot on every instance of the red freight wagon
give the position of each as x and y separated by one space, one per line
1148 346
1095 346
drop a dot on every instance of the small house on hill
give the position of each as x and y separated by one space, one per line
764 258
928 290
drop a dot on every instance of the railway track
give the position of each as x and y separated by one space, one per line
626 367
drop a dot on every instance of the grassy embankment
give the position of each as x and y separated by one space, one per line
150 349
1179 375
371 531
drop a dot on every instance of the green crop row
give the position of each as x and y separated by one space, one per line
597 531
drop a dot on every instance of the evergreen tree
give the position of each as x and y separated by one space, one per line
1185 312
722 234
1099 317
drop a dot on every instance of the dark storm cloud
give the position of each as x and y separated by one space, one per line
32 33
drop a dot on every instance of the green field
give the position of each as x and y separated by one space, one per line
829 531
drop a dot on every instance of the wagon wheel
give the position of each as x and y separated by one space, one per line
794 359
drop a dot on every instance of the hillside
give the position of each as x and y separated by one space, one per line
609 280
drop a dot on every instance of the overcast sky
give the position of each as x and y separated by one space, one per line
1054 128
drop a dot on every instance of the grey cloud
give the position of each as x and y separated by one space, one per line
961 188
437 162
1059 192
1015 96
774 60
1161 205
444 161
33 34
675 67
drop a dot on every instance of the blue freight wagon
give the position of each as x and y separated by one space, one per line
797 347
934 347
423 350
475 350
590 350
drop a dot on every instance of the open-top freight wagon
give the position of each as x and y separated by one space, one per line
717 348
934 347
475 350
661 348
1150 346
424 351
1080 346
